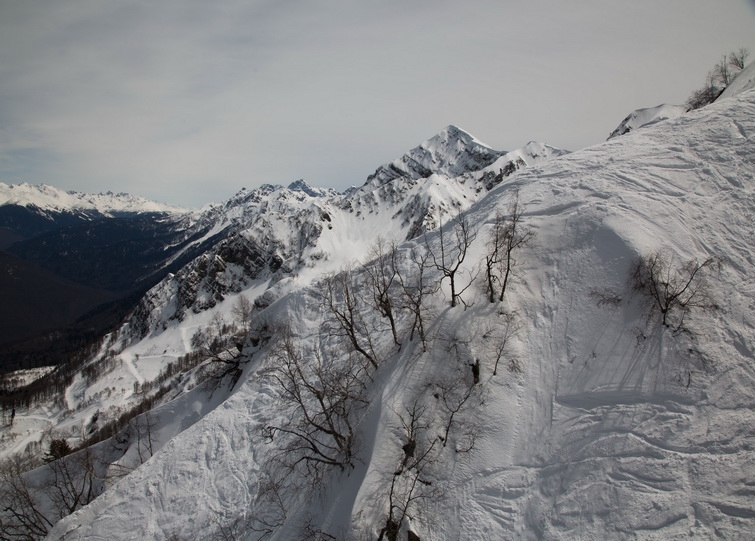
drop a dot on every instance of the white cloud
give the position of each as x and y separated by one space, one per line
188 101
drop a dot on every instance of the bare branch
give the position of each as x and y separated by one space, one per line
672 290
452 252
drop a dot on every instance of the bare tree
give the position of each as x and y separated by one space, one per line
416 287
223 353
499 334
21 516
718 78
382 272
143 427
722 72
673 290
242 310
30 507
324 398
738 59
218 325
343 303
507 236
451 253
705 95
410 481
453 393
73 482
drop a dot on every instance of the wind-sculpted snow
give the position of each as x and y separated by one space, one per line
600 423
647 117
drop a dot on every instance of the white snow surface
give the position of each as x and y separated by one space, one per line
647 117
46 197
616 427
745 80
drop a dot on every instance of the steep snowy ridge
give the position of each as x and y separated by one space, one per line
282 229
599 423
744 81
453 153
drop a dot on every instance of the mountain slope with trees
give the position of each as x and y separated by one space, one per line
559 351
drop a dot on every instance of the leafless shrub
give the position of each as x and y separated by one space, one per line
507 236
410 481
416 287
704 96
323 398
21 516
738 59
382 272
499 334
673 289
343 304
451 252
606 297
312 532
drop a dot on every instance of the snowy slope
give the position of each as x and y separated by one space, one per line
49 198
616 428
745 80
268 240
646 117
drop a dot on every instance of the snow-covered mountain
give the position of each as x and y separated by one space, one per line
566 410
454 152
46 198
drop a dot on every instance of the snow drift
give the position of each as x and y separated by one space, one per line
647 117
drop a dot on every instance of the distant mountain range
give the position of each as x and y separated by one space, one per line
110 248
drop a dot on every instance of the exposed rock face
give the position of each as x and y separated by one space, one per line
451 153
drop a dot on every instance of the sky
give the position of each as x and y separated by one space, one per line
186 102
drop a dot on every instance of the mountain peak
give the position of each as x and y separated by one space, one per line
451 153
303 186
452 134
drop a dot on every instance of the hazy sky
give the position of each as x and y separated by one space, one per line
187 101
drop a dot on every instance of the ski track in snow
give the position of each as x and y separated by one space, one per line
129 362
